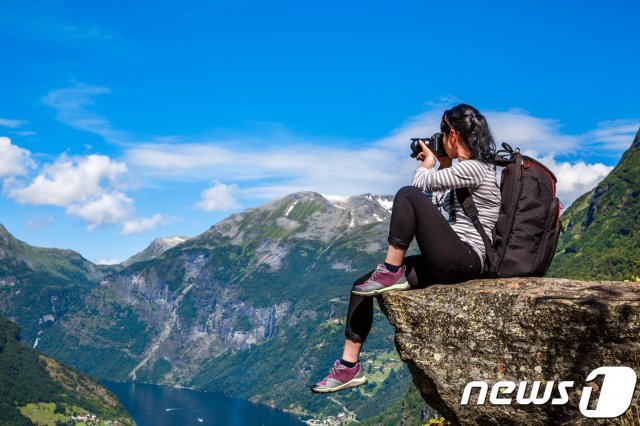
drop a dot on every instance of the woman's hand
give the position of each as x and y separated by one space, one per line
426 156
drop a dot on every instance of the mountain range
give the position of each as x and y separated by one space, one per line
254 306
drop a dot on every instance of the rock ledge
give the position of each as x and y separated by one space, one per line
518 329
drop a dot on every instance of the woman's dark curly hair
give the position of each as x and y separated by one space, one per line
473 129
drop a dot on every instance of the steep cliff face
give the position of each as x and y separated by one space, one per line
522 329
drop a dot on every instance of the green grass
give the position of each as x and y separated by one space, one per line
43 413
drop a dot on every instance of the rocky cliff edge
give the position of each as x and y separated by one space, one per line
518 330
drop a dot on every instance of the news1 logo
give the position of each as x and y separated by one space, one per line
615 398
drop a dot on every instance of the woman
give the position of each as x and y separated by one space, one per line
451 251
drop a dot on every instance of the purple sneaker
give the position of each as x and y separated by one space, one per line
382 280
340 377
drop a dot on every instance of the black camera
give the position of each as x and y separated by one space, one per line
435 143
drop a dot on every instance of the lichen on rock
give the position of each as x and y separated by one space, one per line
519 329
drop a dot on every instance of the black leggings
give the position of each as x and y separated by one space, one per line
444 259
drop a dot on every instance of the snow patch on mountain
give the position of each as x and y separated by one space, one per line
286 214
385 203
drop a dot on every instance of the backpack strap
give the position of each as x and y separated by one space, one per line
452 207
470 209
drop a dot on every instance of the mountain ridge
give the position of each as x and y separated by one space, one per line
251 284
155 249
602 231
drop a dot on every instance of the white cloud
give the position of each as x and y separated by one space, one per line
71 106
107 261
615 135
14 160
219 197
285 163
143 224
12 124
522 130
280 163
70 180
108 208
575 179
88 187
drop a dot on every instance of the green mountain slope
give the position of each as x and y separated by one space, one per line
38 285
35 388
253 307
602 238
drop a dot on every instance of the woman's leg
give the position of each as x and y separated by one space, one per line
395 255
448 257
360 311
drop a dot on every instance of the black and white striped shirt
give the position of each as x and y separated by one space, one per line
480 178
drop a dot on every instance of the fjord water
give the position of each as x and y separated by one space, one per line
153 405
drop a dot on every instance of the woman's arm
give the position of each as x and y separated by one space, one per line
464 174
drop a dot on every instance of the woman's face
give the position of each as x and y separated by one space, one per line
450 142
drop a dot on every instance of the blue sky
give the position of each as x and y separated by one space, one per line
125 121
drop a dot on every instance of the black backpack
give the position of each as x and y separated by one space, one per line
526 233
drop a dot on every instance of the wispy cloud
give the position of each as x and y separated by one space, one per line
71 106
615 135
12 124
39 222
85 32
283 162
531 133
25 133
143 224
381 166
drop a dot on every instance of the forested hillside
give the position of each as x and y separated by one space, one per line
34 387
602 238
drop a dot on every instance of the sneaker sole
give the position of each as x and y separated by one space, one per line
350 384
401 286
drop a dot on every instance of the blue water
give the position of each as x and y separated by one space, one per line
153 405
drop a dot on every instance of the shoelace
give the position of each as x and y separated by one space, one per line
377 271
335 369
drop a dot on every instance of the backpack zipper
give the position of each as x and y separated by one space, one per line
526 165
543 243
